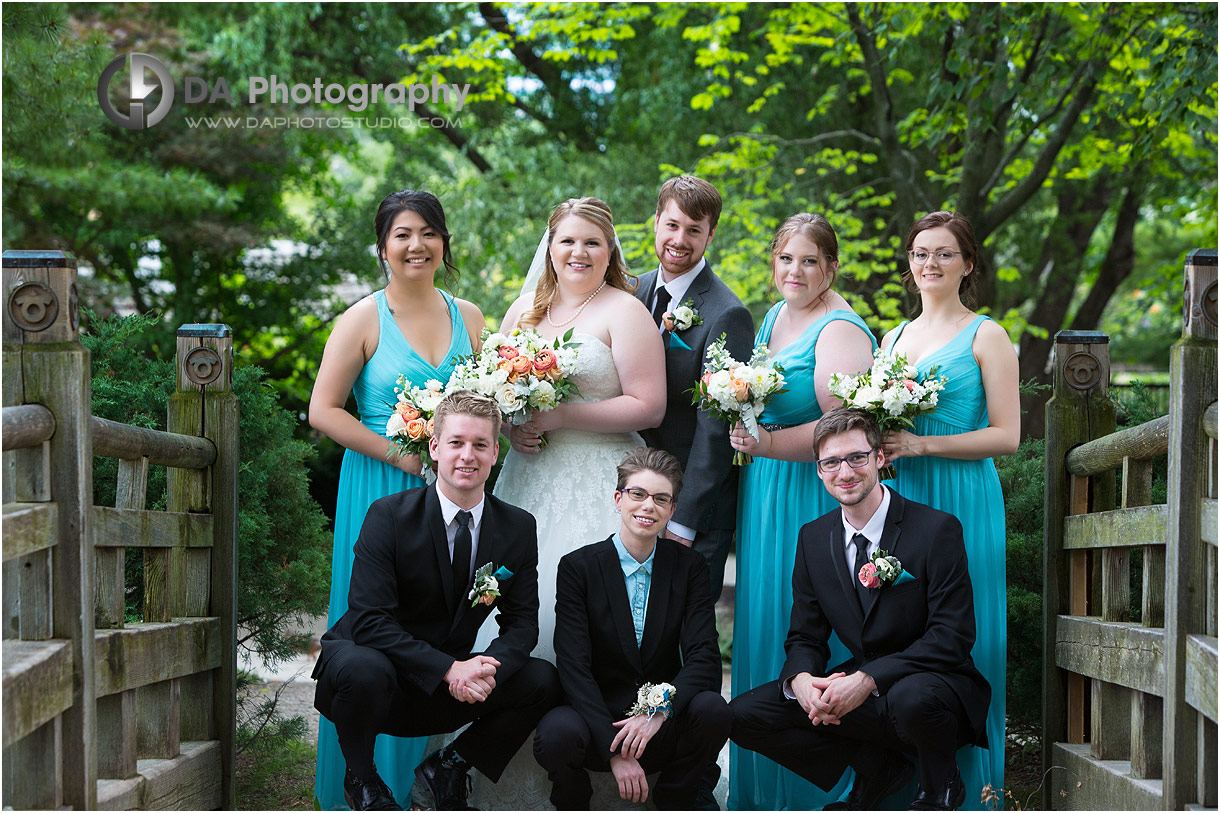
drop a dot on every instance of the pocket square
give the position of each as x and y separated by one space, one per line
503 574
903 577
675 341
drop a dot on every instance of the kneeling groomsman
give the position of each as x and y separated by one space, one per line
634 610
889 576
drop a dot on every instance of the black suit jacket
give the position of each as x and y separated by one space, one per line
401 599
600 666
699 441
922 625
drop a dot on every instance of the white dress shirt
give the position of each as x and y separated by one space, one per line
449 511
872 531
677 287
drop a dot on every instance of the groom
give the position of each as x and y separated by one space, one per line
910 686
399 662
688 209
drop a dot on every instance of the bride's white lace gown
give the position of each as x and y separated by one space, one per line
569 488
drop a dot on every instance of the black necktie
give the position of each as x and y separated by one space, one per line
462 543
864 594
663 298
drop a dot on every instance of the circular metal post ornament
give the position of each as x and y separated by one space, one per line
33 306
202 365
73 307
1081 371
1208 303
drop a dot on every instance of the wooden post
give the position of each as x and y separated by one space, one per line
1192 389
41 316
204 404
1078 411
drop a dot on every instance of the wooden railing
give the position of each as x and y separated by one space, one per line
103 712
1129 707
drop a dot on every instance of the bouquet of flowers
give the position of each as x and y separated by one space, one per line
892 391
410 424
521 371
733 391
654 698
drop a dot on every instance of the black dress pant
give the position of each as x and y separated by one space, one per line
360 693
680 750
919 715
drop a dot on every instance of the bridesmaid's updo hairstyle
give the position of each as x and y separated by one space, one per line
596 212
962 230
820 233
643 458
424 204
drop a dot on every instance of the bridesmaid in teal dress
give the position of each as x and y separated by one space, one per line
410 327
947 461
813 333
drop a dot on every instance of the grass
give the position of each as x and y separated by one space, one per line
276 774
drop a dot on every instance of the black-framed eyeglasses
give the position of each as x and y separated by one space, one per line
661 500
829 465
943 256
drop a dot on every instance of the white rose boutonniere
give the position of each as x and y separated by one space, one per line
487 584
683 317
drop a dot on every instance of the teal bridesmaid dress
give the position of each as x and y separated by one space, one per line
362 480
776 498
970 490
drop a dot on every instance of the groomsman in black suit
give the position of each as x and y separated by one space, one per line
630 610
399 662
688 209
910 686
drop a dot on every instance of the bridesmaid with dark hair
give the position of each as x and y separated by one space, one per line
408 327
947 461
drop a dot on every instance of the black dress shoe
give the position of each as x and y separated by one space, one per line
368 794
868 793
949 797
449 785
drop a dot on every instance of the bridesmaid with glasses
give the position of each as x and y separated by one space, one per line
946 462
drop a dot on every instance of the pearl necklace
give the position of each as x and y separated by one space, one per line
579 310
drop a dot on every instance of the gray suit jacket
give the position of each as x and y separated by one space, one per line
700 442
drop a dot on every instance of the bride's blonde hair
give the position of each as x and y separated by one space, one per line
595 211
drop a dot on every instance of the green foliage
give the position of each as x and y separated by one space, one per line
1022 479
283 543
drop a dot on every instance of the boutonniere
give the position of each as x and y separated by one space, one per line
654 698
883 569
683 317
487 584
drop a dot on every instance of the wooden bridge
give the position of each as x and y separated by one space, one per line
1129 706
101 712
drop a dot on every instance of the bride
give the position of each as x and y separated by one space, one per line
584 287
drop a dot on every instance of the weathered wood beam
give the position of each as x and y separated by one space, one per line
113 439
1120 652
29 527
27 425
37 685
190 781
1201 654
1082 782
141 654
1120 528
1141 442
132 528
1207 521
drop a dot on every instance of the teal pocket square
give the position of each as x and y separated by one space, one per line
503 574
904 577
674 341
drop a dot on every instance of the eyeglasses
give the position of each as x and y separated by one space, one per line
661 500
829 465
943 256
